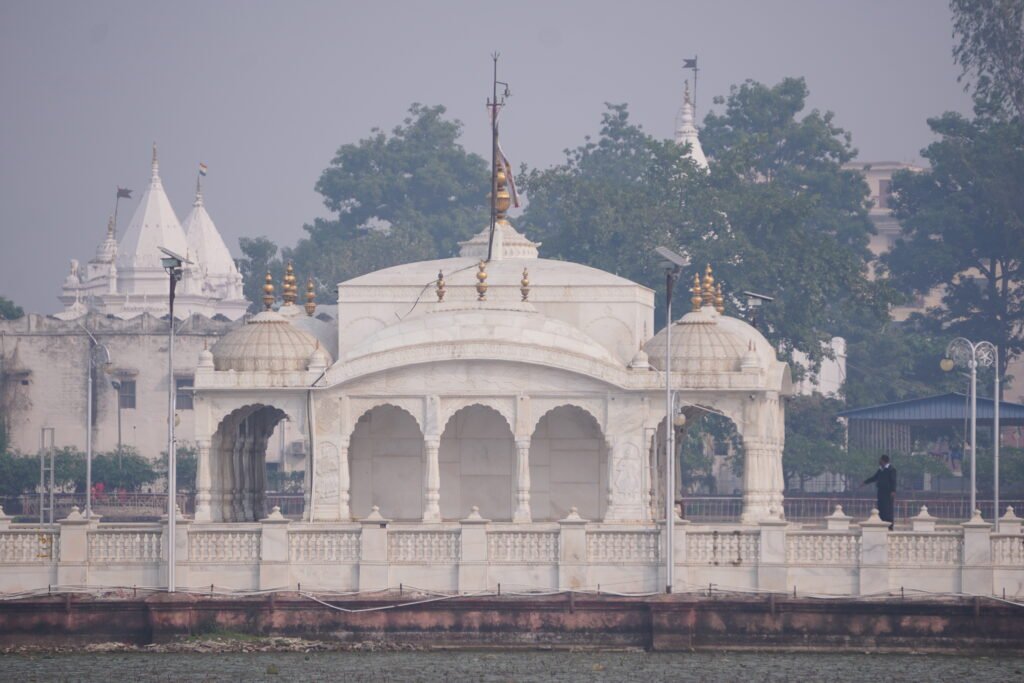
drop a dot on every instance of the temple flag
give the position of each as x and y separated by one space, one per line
124 193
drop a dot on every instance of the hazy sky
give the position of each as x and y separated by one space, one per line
265 92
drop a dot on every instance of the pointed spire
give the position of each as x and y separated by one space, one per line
268 291
156 165
696 299
686 132
199 192
289 290
310 304
110 228
709 287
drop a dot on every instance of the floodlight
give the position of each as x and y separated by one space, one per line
673 260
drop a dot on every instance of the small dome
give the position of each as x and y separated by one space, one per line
266 342
705 341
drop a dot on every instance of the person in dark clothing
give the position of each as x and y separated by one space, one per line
885 484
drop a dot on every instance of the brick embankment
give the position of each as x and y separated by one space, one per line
677 622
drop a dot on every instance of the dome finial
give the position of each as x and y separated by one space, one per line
719 299
289 290
696 299
709 287
268 291
481 284
524 285
504 198
310 304
441 289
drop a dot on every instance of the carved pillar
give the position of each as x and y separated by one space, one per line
203 498
762 480
431 480
247 477
327 482
344 483
625 481
522 513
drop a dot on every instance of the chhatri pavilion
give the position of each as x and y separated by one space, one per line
521 387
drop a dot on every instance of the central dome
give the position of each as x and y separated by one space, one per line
266 342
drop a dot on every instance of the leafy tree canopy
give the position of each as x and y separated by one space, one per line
9 310
260 257
408 196
963 229
990 50
777 213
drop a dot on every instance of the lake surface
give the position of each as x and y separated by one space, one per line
446 667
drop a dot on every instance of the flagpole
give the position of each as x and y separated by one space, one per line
494 155
694 87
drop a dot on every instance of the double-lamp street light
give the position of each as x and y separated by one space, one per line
965 353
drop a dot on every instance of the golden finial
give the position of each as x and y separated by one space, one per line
289 290
696 299
268 291
310 305
524 285
719 299
709 287
504 198
481 284
441 287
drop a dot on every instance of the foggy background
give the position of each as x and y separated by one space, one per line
264 93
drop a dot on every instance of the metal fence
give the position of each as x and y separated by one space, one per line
117 505
811 508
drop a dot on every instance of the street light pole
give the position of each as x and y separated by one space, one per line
964 352
95 349
172 263
674 264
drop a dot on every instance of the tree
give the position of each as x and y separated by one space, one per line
777 213
9 310
260 258
963 230
814 439
18 473
799 218
990 50
409 196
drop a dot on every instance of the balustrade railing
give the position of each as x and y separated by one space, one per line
624 547
224 545
522 546
828 548
1008 551
323 546
29 546
424 546
927 549
723 547
125 545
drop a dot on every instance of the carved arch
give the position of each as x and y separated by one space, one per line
502 406
413 407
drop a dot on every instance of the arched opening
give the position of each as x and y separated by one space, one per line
386 464
238 456
708 466
568 465
477 462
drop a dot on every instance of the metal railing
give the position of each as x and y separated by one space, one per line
728 508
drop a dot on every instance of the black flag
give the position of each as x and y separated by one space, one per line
690 63
124 193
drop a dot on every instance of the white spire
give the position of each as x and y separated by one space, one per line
686 132
207 248
153 225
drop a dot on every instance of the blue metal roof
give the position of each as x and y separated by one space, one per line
944 407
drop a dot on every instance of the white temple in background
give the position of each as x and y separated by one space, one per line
125 278
686 130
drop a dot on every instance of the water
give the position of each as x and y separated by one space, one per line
499 667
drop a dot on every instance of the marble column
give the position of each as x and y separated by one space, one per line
522 513
203 498
344 483
431 480
762 480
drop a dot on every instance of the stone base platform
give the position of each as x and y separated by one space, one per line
566 620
